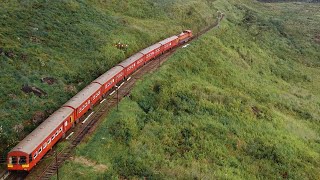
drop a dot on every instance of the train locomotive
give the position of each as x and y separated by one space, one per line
29 151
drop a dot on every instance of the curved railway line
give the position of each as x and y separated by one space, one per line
45 170
101 111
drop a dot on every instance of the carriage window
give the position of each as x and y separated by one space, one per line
60 129
44 145
49 140
52 138
14 159
56 133
35 155
40 150
30 158
22 160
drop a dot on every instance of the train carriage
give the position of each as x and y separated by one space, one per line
31 149
109 79
151 52
132 64
169 43
84 100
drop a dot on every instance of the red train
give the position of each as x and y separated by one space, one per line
32 148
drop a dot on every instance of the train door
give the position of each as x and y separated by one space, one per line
69 123
71 119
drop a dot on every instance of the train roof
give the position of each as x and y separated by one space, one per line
150 48
108 75
165 41
37 136
82 96
131 59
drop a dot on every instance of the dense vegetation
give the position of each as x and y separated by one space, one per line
71 43
241 102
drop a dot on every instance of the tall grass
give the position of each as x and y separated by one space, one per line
238 103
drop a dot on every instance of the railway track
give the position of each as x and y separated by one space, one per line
88 125
13 175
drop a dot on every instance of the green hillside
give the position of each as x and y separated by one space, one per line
73 43
241 102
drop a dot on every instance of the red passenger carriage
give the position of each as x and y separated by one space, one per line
31 149
132 64
109 79
84 100
151 52
169 43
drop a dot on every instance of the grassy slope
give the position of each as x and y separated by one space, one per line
241 102
72 41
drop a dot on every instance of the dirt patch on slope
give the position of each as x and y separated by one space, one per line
317 38
70 88
48 80
97 167
38 117
37 91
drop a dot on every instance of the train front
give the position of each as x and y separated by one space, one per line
18 160
185 36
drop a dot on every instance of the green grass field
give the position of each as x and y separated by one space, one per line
241 102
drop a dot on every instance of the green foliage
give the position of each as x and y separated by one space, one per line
124 129
241 102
